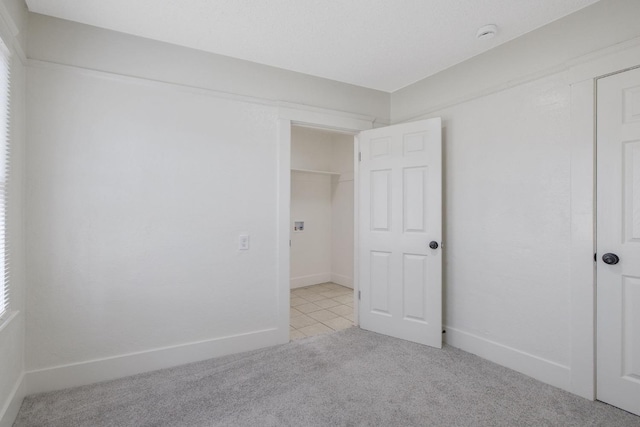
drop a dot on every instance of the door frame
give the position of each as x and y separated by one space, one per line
582 75
320 119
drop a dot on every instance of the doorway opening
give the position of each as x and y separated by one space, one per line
321 231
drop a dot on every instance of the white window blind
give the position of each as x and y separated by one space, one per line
5 62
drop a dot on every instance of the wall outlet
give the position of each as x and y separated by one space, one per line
243 242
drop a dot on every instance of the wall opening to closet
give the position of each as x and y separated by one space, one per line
322 227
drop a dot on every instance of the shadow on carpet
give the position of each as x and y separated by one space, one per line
349 378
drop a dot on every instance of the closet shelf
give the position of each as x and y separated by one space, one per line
314 171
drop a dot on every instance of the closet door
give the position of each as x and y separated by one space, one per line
618 224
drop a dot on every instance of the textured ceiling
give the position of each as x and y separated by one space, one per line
380 44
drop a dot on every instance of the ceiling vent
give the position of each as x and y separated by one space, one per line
487 32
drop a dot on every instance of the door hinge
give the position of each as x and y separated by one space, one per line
358 295
359 156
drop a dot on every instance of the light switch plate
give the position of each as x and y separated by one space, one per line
243 242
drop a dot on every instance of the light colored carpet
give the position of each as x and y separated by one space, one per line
349 378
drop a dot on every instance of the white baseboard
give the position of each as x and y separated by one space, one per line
111 368
536 367
10 410
342 280
312 279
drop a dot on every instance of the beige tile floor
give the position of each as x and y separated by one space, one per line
320 309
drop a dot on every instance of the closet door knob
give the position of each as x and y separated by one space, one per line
611 259
433 245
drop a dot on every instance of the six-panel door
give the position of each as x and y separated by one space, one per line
400 214
618 227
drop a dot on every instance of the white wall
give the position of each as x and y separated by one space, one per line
342 212
310 202
137 191
311 248
136 197
311 149
12 333
508 189
324 250
65 42
508 218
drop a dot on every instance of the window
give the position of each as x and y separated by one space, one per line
5 62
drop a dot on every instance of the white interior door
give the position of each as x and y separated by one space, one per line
618 225
400 215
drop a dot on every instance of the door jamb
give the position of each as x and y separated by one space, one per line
333 121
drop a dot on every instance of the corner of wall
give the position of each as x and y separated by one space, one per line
13 17
9 412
